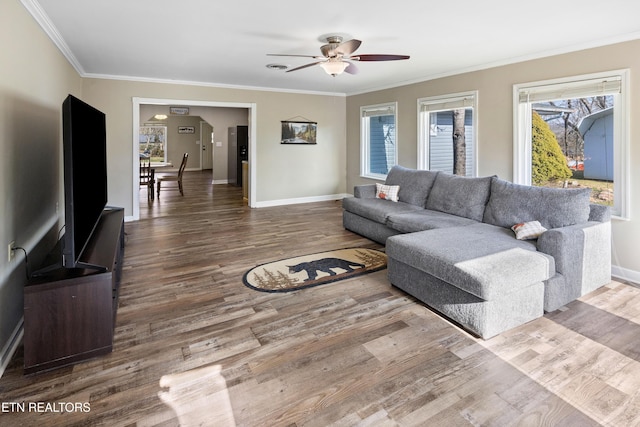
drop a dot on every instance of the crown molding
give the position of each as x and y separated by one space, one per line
510 61
36 11
40 16
208 84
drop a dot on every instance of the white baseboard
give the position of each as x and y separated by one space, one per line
12 345
220 181
625 274
295 201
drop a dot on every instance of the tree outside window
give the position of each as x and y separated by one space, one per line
560 156
574 133
153 140
447 133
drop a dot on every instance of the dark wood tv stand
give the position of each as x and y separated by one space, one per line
70 313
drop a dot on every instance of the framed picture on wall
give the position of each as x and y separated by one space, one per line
186 129
180 111
296 132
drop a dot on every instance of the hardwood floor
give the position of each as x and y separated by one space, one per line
194 346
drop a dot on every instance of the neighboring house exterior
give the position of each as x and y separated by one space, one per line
441 142
597 132
383 129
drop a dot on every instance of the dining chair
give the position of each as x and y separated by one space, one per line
174 178
147 177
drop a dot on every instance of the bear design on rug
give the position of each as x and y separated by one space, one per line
325 265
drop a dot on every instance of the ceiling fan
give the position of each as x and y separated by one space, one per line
336 57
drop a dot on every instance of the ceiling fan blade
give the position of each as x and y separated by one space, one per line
348 47
375 57
297 56
351 68
304 66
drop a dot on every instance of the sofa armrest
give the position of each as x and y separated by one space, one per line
582 253
599 213
365 191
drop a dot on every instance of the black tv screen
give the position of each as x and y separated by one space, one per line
85 175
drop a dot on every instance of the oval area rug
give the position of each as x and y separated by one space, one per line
312 270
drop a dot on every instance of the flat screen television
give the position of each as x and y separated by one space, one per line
85 176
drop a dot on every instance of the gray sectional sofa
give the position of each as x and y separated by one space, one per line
450 244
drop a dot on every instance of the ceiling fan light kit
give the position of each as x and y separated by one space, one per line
336 57
334 67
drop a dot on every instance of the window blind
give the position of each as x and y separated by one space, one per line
378 111
444 104
580 89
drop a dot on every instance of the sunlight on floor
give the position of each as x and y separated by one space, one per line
198 397
594 377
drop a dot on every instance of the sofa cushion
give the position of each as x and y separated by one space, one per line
410 222
376 209
414 184
511 204
364 191
481 259
460 195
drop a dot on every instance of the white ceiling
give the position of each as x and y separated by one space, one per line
226 42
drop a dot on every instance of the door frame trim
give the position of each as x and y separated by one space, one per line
138 101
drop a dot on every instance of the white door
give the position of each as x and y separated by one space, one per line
206 139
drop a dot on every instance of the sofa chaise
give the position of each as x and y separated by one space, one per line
485 253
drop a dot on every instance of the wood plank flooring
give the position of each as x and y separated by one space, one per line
194 346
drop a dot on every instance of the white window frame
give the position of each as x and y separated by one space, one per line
365 147
447 102
566 88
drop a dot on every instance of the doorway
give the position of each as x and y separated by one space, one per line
206 144
251 113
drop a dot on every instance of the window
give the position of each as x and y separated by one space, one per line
447 133
378 148
587 120
153 141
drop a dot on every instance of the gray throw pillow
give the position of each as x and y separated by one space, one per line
511 203
414 184
460 195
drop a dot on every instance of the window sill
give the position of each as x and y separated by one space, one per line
376 176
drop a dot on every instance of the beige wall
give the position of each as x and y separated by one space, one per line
184 142
495 124
221 119
283 172
178 143
34 80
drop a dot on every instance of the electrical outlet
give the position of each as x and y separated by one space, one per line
10 249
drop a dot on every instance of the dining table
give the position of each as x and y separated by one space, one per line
160 165
153 166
